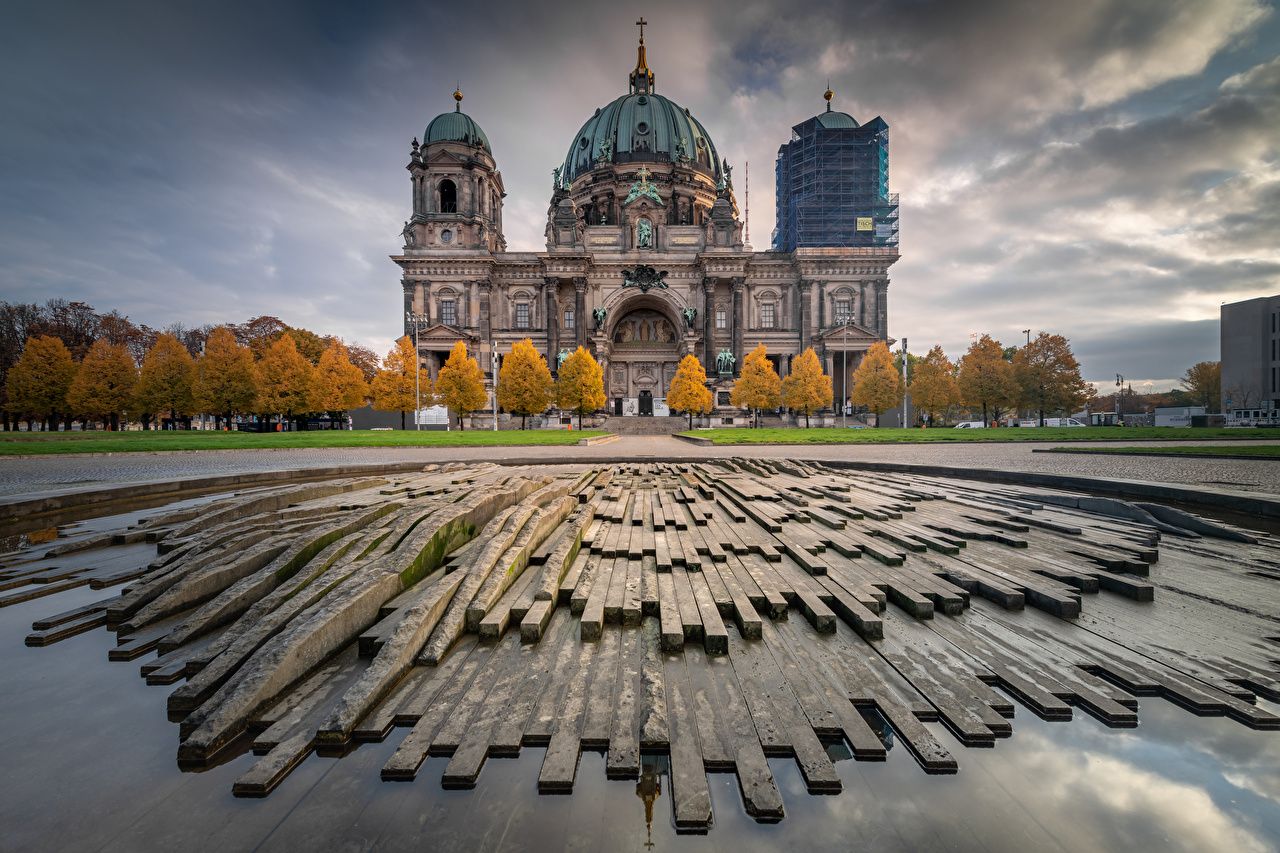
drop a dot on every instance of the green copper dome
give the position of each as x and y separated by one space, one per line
638 128
456 126
832 120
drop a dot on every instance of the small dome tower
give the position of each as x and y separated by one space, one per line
457 188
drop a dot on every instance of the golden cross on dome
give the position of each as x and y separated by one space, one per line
641 23
643 174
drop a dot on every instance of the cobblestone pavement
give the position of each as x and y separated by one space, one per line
23 475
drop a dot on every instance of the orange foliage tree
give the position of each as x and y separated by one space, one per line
580 385
460 383
104 384
758 386
38 382
806 388
525 385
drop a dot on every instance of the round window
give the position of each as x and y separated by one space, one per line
642 100
702 143
583 142
446 236
642 127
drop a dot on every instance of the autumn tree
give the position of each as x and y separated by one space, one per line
934 388
986 379
876 383
363 358
1203 382
284 379
1048 376
104 383
396 387
226 377
167 380
260 333
525 386
806 388
580 384
337 385
460 383
38 382
689 392
758 386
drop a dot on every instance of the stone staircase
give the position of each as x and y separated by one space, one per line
624 425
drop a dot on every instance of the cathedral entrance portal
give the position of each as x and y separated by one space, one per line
644 350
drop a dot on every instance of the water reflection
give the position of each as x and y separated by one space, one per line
90 756
652 770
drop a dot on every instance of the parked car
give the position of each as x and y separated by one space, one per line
1053 422
970 425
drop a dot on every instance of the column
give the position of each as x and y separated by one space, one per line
550 285
882 308
424 296
580 311
486 318
738 287
408 305
705 294
822 306
862 304
806 290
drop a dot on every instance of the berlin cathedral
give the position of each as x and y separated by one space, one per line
645 259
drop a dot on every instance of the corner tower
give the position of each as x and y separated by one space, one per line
833 184
457 188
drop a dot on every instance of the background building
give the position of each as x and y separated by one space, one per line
644 261
1251 354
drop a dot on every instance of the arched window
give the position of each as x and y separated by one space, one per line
448 197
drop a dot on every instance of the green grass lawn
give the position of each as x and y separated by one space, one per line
1259 451
40 443
797 435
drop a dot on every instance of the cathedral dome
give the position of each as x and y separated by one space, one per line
641 127
638 128
456 126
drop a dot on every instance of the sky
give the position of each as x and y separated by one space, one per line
1108 170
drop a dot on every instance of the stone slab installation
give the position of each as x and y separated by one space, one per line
721 613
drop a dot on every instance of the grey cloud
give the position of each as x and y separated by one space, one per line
207 163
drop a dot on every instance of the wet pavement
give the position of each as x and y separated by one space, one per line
38 474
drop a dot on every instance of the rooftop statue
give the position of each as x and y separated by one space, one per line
644 234
642 188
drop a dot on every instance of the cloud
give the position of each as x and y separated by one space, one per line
1104 169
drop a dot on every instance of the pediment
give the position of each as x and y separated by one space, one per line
440 330
854 333
443 156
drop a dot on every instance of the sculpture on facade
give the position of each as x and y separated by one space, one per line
644 277
599 315
682 149
407 233
690 316
725 362
555 178
606 152
560 357
644 234
642 188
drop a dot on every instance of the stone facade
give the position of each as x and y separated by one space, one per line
632 206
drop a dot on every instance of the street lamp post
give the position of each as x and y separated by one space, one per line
1119 391
904 383
417 320
493 365
844 378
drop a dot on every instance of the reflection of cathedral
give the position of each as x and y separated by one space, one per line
644 261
